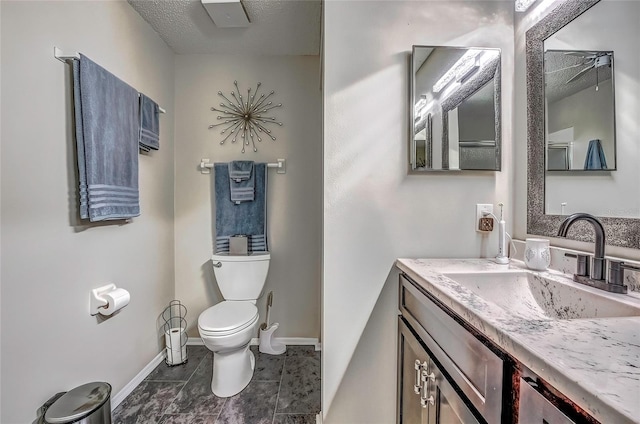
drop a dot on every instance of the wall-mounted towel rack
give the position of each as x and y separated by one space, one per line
58 54
280 165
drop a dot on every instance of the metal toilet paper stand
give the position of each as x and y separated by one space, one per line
175 331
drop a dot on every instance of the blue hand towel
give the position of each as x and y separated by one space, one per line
241 181
595 156
246 218
240 170
149 124
107 126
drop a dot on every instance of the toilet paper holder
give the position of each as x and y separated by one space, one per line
98 304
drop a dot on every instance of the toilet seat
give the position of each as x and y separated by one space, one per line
227 317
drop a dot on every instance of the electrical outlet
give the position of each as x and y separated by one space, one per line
480 208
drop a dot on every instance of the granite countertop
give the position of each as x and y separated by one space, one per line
594 362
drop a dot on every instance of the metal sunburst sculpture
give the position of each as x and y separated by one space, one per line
245 117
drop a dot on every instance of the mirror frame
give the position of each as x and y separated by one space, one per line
624 232
451 103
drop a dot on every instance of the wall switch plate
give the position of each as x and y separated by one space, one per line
480 208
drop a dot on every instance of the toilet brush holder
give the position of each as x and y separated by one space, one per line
267 342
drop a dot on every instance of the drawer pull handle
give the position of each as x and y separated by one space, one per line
416 385
425 397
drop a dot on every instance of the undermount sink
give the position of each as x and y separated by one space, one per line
532 296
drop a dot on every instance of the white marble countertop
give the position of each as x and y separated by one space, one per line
594 362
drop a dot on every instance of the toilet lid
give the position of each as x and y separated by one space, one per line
227 316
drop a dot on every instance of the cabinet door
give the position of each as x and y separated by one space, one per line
448 407
536 409
424 393
411 358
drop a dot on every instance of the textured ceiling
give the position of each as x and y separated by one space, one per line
561 67
278 27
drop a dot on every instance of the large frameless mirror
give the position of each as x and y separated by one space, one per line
455 109
583 85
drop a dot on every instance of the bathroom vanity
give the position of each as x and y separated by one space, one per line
480 342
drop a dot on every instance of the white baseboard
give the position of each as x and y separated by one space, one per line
319 418
289 341
128 388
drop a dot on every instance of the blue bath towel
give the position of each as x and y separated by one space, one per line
241 181
246 218
149 138
107 126
595 156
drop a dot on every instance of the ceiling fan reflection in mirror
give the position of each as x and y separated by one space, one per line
588 60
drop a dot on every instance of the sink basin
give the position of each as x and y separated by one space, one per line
532 296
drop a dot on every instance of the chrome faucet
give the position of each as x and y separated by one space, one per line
597 277
599 262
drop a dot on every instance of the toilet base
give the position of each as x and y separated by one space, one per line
232 371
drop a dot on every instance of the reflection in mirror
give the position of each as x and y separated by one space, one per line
455 100
580 110
598 38
423 144
472 131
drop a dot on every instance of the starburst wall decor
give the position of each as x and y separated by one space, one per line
246 117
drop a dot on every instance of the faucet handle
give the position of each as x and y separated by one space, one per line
616 271
583 264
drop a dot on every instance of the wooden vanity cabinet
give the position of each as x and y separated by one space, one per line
466 364
449 373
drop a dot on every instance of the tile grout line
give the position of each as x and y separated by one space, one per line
275 408
184 385
198 366
221 409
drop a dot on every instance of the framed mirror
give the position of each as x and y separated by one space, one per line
583 86
455 109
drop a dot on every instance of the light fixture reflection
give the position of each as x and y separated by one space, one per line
468 58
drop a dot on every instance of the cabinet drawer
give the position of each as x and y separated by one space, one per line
474 368
535 408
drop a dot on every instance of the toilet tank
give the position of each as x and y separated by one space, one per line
241 277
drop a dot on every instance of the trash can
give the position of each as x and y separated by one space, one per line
86 404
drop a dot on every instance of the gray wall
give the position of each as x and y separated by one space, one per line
294 199
50 262
373 211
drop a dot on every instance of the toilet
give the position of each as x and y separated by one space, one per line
227 327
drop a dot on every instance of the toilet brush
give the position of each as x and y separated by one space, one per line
267 342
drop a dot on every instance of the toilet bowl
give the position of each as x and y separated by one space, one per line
227 327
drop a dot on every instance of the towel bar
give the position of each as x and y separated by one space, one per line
57 53
281 165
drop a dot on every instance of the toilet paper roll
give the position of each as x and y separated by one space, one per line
176 349
116 300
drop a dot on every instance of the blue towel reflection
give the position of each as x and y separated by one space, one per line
595 156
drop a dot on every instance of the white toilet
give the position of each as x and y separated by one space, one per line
227 328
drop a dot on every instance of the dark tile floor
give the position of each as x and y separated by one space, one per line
285 389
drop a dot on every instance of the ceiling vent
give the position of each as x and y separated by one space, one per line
226 13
